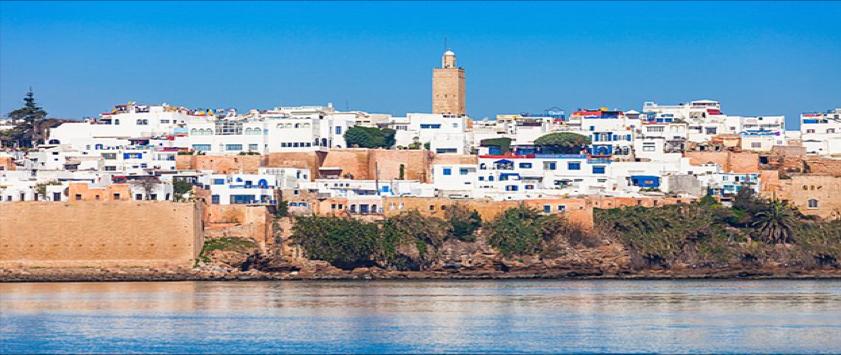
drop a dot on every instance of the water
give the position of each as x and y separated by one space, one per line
414 316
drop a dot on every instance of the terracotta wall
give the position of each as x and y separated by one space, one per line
240 221
78 192
735 162
825 189
576 210
607 202
363 164
823 166
300 160
219 164
7 163
99 234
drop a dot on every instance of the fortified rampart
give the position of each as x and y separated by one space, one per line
99 234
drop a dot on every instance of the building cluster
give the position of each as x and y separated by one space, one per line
298 155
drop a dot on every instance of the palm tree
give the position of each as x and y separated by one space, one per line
775 224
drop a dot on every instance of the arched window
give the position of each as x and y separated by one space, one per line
297 125
813 203
193 132
323 142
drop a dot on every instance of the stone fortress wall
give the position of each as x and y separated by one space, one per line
100 234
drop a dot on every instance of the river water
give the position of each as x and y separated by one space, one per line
421 316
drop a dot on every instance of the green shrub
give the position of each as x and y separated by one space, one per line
343 242
521 231
463 222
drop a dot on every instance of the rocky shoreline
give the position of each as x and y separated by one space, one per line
181 274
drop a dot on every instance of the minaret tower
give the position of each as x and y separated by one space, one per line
448 89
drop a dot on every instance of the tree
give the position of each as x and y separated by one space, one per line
180 188
147 184
521 231
775 224
563 142
463 222
343 242
370 137
27 119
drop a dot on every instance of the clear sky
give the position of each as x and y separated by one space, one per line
755 57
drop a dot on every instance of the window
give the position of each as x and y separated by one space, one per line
201 147
547 208
648 147
138 197
218 181
463 171
598 169
562 208
78 197
116 196
481 178
756 145
446 150
109 156
574 165
830 130
233 147
110 168
214 199
529 187
511 188
711 130
813 203
253 147
549 165
448 171
164 121
132 155
430 126
655 129
338 129
525 165
142 122
810 131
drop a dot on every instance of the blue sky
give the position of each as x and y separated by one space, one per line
755 57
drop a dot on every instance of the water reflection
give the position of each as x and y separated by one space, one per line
414 316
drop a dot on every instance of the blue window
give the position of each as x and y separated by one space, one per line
481 178
233 147
463 171
562 208
525 165
598 169
214 199
628 137
574 165
550 165
511 188
448 171
132 155
252 147
201 147
338 129
490 178
429 125
385 188
547 208
242 199
529 187
218 181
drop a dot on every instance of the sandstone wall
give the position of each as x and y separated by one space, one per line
219 164
734 162
363 164
300 160
353 161
99 234
241 221
7 163
824 190
576 210
823 166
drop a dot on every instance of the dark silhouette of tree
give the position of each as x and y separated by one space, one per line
27 119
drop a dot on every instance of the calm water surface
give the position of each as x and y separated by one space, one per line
413 316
